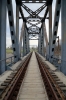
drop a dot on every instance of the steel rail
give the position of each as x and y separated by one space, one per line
54 91
14 81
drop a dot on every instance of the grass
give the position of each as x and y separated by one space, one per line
9 51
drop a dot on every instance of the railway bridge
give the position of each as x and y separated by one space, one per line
40 74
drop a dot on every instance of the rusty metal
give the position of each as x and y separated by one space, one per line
54 87
10 88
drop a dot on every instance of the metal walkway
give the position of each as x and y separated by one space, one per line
32 87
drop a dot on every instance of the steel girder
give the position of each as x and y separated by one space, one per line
12 29
45 35
25 41
41 41
17 29
34 1
22 15
63 36
27 36
42 44
55 27
33 14
3 5
50 29
21 37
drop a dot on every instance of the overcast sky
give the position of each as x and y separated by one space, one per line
33 7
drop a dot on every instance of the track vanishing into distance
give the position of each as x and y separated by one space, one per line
55 89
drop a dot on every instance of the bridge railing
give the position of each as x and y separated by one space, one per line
9 61
57 61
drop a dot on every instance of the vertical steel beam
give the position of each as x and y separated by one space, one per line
21 36
38 43
43 53
41 41
12 29
45 35
46 41
27 42
63 36
17 29
24 41
55 27
2 35
40 47
50 29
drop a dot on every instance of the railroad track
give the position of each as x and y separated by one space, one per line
10 88
56 90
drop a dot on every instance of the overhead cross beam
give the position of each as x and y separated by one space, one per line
33 35
27 9
34 39
33 1
34 20
33 24
33 13
40 9
33 30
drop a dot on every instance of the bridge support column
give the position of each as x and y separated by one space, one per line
24 41
26 38
63 36
39 42
38 45
21 38
3 35
27 42
43 53
17 29
50 29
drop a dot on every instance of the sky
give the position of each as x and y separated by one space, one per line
33 7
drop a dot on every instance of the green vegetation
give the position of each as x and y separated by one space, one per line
8 50
33 49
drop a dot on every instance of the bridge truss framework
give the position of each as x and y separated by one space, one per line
33 30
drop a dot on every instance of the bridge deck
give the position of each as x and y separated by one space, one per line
32 87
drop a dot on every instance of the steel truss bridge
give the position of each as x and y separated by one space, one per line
33 28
